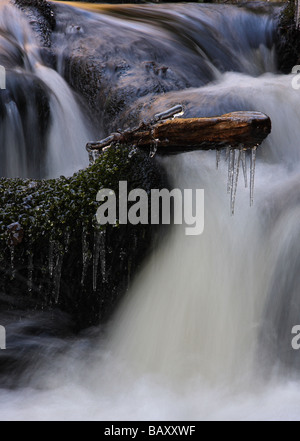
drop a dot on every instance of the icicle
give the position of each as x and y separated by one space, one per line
30 271
236 170
230 170
227 153
67 241
252 174
218 157
85 255
57 271
229 174
93 155
244 165
51 258
12 261
103 254
96 254
154 148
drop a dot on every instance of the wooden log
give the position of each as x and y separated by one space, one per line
237 129
247 129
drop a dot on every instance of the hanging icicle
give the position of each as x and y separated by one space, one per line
30 270
67 241
230 170
252 174
12 262
236 170
235 158
244 165
51 258
103 254
59 251
85 255
218 158
96 255
227 153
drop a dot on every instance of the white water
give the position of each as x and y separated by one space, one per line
188 340
69 130
69 133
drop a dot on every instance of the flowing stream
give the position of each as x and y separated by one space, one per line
40 136
205 329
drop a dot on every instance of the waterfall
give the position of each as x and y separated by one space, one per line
204 331
43 130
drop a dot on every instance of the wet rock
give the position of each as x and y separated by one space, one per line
126 57
112 67
42 17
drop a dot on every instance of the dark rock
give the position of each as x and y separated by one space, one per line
102 66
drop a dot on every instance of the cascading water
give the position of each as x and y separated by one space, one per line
42 126
205 330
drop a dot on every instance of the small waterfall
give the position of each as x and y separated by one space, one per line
205 330
69 131
43 130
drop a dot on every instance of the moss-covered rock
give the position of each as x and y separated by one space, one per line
53 254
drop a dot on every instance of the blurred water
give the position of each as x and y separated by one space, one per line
205 330
43 131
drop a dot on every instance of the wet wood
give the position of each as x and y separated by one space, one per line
237 129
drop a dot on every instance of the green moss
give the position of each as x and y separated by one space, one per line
288 14
46 207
